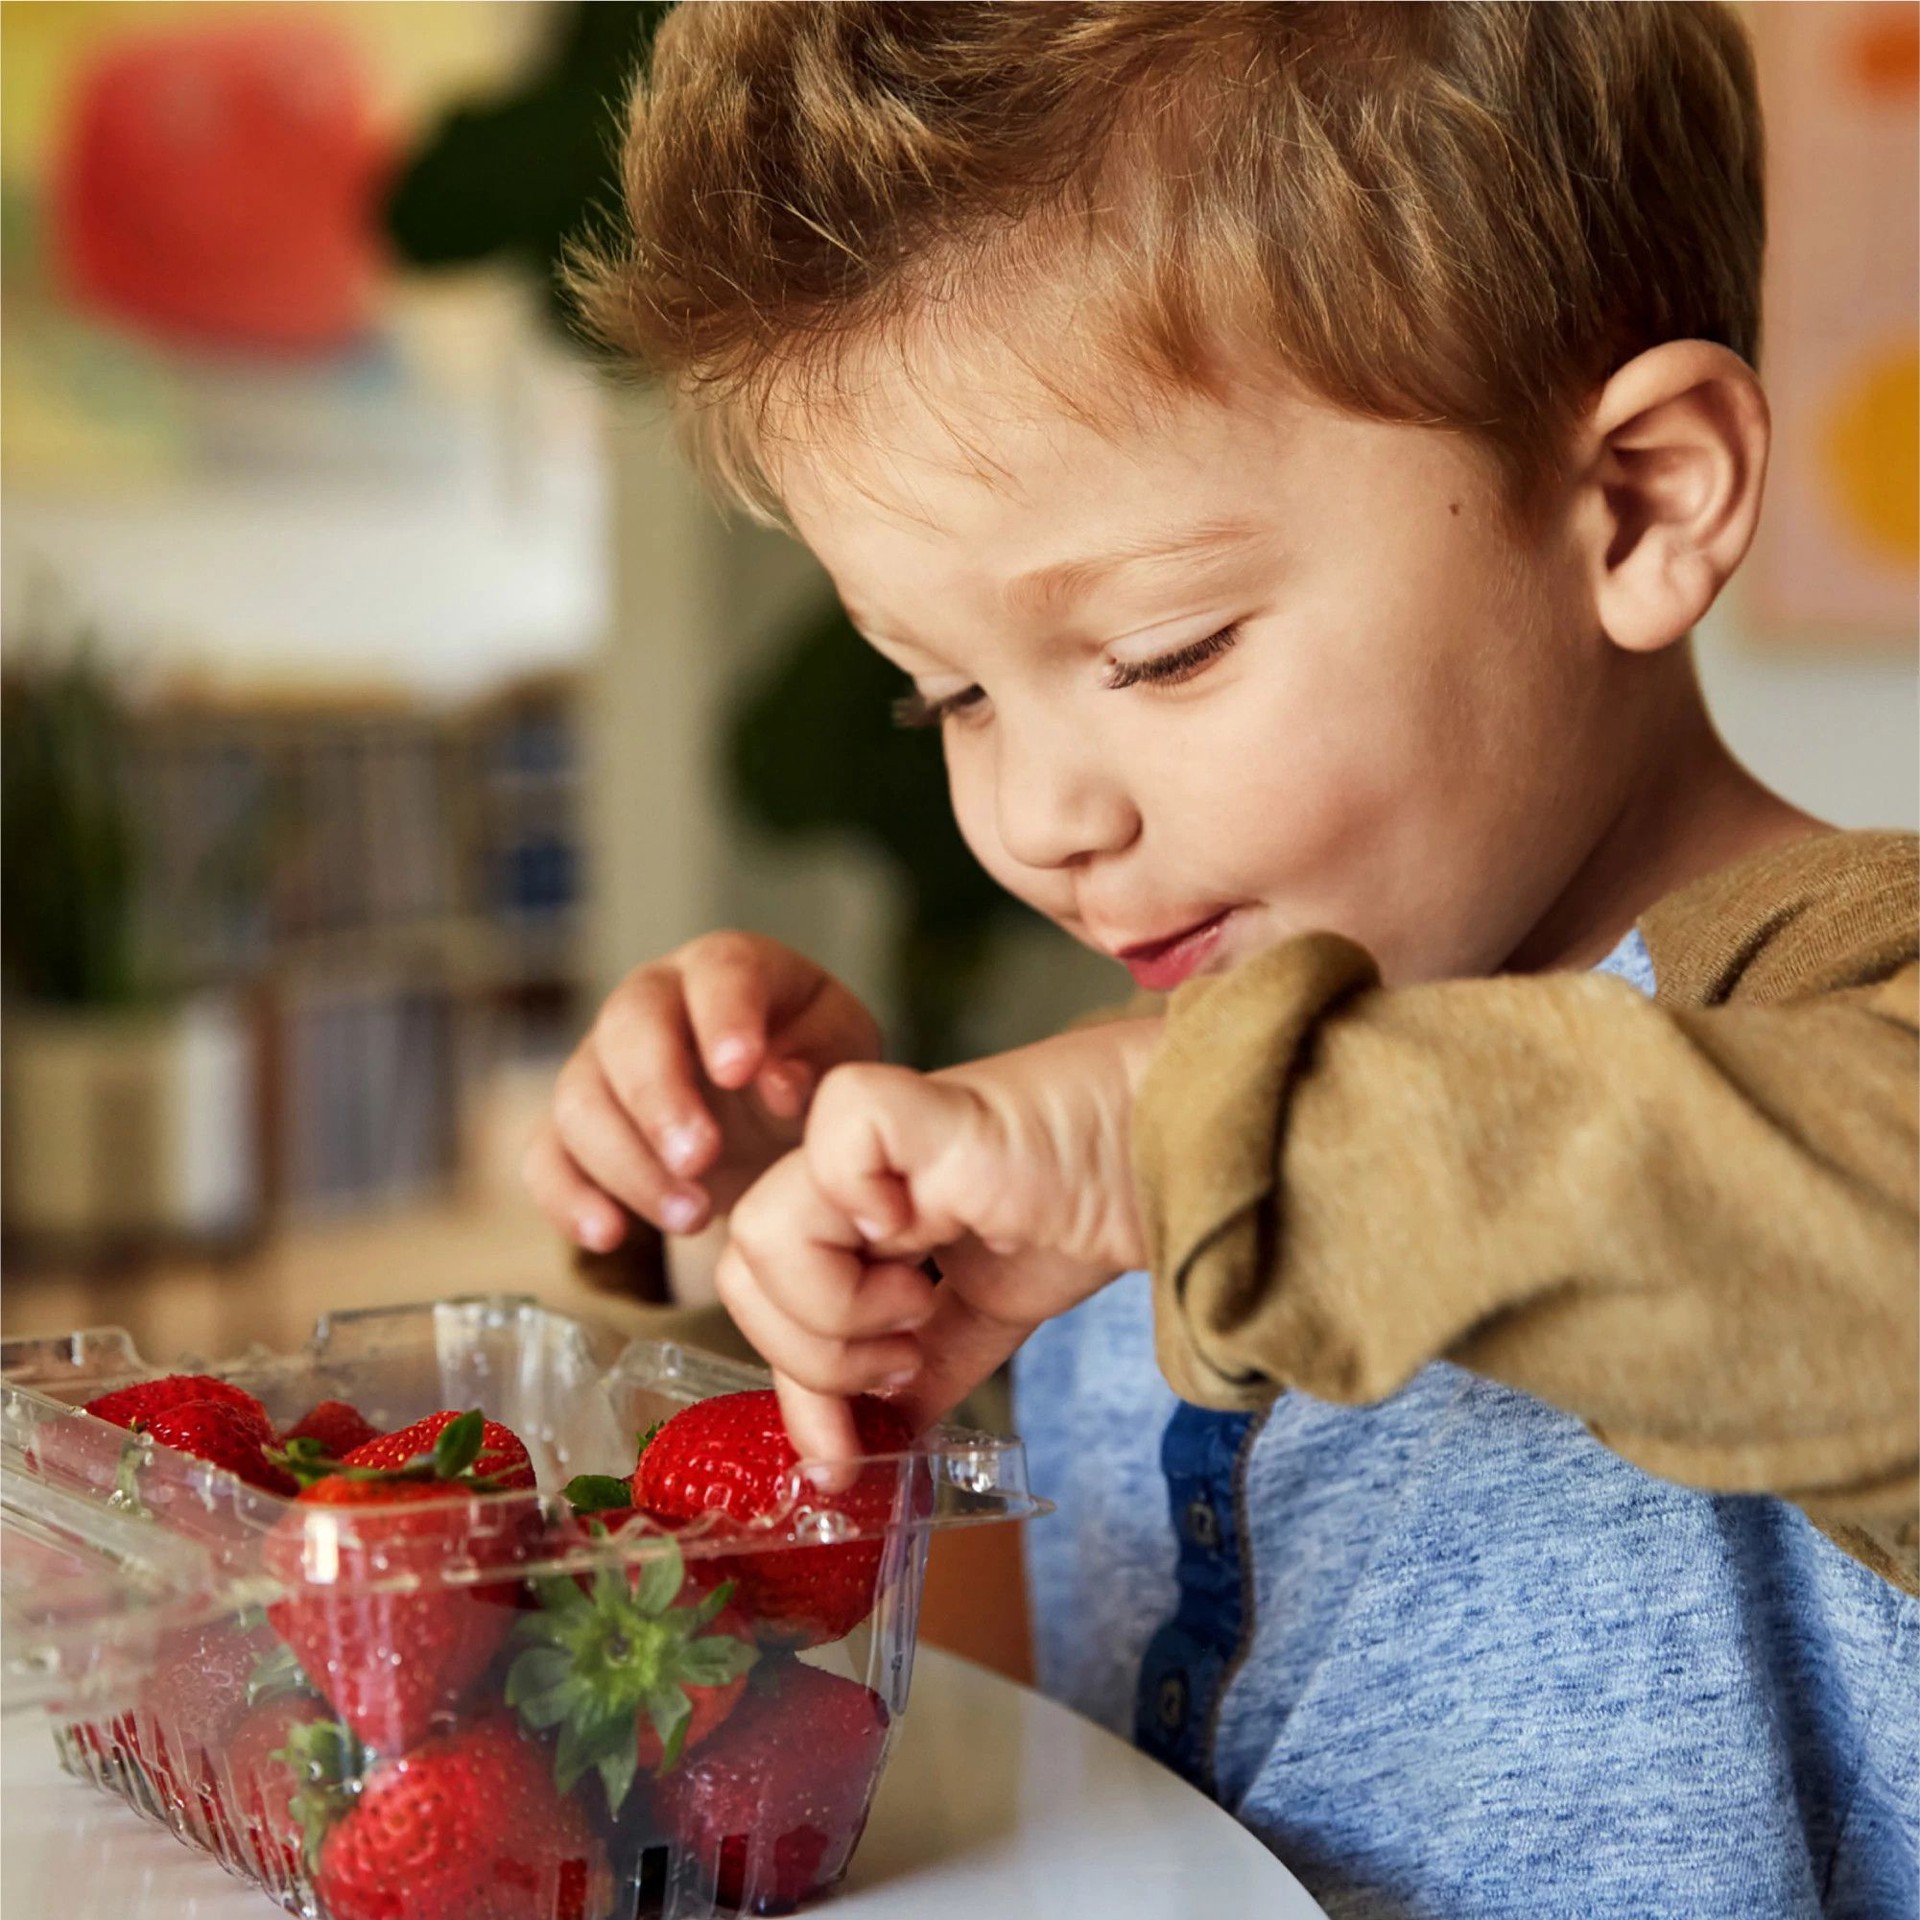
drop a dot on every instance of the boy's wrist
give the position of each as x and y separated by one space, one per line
1136 1041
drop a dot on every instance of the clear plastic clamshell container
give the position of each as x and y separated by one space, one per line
478 1703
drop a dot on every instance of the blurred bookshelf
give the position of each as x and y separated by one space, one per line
388 890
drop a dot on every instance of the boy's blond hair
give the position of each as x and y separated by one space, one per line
1465 215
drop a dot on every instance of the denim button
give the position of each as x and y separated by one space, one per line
1172 1700
1203 1524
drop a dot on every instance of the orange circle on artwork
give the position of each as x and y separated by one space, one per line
1870 449
1885 56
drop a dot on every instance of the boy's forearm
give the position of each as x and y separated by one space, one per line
1694 1228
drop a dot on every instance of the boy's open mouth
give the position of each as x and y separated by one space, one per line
1160 965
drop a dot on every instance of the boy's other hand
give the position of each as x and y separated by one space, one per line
1015 1172
696 1077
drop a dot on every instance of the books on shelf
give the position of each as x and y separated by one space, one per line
401 884
369 1092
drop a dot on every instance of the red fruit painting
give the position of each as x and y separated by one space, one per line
220 183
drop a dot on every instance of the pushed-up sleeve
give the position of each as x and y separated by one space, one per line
1692 1226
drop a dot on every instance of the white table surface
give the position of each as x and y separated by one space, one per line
995 1801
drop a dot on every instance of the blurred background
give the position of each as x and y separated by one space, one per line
378 688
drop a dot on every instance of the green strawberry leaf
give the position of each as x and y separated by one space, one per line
644 1440
459 1444
617 1771
716 1660
711 1606
558 1594
328 1762
609 1589
590 1746
306 1458
593 1660
598 1492
671 1715
660 1578
536 1684
570 1760
275 1674
135 1451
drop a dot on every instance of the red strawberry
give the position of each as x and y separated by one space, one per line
773 1805
334 1427
467 1826
254 1814
136 1405
384 1633
197 1691
731 1455
502 1458
219 1432
634 1667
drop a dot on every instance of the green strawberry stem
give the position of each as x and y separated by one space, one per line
306 1458
135 1451
329 1763
450 1458
275 1674
595 1659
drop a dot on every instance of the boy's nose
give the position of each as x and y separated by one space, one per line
1056 804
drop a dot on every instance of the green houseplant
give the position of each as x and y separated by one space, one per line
69 852
129 1107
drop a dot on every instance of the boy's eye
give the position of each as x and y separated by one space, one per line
916 710
1168 669
1164 670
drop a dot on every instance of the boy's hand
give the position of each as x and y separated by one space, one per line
695 1078
1015 1171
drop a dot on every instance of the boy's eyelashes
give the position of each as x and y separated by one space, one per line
1169 669
1163 670
916 710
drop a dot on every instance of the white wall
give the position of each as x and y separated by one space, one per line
425 517
1834 727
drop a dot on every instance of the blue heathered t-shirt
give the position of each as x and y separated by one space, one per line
1450 1656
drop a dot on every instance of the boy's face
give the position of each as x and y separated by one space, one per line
1235 673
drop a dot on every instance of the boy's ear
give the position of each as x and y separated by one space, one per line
1673 462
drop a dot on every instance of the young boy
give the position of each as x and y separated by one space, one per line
1288 447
